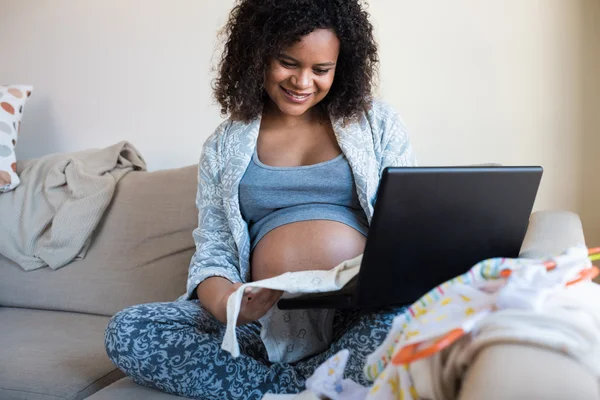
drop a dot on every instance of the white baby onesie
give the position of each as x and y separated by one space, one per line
291 335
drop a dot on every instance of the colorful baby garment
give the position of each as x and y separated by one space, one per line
328 380
498 300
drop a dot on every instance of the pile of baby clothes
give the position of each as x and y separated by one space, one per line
546 303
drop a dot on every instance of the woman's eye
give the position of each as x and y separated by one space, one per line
321 71
286 64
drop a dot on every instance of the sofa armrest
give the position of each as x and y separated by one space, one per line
505 371
551 232
557 376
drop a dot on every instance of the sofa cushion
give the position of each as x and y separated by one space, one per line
12 103
49 355
127 389
140 252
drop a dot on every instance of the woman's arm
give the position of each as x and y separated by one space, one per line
213 293
216 252
214 270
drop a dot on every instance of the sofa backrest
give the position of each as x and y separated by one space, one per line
140 252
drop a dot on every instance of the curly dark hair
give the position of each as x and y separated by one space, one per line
258 30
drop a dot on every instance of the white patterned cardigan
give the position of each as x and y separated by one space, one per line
376 141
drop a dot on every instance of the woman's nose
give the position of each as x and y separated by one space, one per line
301 80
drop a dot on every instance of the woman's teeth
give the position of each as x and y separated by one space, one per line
296 96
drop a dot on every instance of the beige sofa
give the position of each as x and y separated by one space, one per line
52 322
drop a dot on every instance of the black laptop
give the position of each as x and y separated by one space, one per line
431 224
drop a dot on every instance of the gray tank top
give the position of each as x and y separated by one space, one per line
274 196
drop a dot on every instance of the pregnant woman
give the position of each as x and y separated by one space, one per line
286 183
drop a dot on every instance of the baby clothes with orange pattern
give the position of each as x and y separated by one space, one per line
531 306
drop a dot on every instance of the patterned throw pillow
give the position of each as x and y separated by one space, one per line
12 102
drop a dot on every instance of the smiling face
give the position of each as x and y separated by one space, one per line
302 75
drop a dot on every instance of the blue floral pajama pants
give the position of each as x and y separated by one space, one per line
176 348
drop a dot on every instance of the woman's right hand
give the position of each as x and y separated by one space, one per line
255 303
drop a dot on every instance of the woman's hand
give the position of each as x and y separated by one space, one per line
255 303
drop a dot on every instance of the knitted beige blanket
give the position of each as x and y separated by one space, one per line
49 219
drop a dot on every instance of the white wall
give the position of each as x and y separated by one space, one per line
108 70
591 114
476 81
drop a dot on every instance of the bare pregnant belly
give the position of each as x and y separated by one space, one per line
305 245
